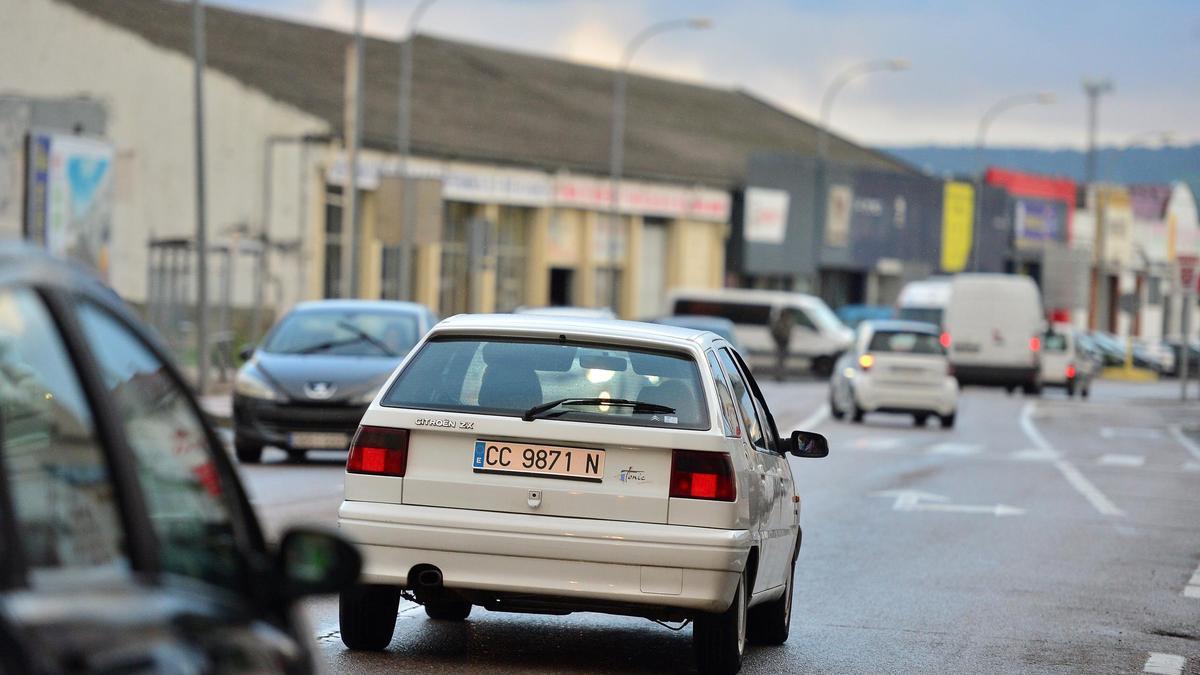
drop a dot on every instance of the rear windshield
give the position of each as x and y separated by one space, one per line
508 377
1055 342
931 315
905 342
344 332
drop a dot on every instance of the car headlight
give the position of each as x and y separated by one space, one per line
252 386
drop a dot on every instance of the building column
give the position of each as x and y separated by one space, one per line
537 266
370 252
631 271
485 277
585 291
428 276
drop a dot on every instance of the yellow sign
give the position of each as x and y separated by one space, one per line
958 217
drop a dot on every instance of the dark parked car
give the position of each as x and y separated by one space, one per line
126 541
309 382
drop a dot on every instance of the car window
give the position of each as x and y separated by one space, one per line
770 433
186 499
741 394
800 318
729 414
905 342
1054 342
344 333
507 377
62 495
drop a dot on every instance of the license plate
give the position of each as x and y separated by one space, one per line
319 440
538 460
966 347
907 370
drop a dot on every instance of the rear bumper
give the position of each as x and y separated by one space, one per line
1003 376
941 400
673 566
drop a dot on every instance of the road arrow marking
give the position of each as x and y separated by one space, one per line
916 500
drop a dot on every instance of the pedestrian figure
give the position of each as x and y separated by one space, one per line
781 331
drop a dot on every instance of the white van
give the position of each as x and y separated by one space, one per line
924 300
993 326
818 337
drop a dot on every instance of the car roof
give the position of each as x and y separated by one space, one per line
898 325
573 327
361 305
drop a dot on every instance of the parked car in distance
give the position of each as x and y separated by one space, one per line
306 386
565 310
1116 351
852 315
895 367
713 324
128 543
1066 363
924 300
817 337
550 465
1193 358
993 326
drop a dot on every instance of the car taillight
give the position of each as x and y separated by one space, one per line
1070 371
944 338
866 361
1035 344
702 475
379 451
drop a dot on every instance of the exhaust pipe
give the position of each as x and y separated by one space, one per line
429 578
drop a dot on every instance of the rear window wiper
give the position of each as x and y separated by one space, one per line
637 406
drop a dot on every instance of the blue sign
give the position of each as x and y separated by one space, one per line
480 448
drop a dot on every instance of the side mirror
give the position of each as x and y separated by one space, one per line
312 561
246 352
807 444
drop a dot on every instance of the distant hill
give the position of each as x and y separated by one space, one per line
1133 165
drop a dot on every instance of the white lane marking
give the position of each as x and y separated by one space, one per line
959 449
814 420
1164 664
916 500
1177 433
1192 590
1035 455
1077 480
1143 433
1113 459
876 443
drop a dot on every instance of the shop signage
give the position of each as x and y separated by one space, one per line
837 214
766 215
958 218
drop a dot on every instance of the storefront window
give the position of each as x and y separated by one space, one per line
454 290
511 239
332 284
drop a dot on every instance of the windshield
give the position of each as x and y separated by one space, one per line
344 333
823 317
931 315
509 377
905 342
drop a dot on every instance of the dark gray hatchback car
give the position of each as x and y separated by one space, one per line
309 382
127 543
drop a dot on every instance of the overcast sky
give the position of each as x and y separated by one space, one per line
965 56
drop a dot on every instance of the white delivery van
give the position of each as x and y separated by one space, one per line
818 337
924 300
993 326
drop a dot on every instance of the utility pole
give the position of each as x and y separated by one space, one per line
350 215
404 149
1094 90
199 58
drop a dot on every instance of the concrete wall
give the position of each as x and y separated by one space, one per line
51 50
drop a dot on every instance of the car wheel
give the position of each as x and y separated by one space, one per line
771 621
920 419
447 609
834 411
367 616
1032 389
858 414
1010 389
1070 389
1085 392
948 420
247 453
719 640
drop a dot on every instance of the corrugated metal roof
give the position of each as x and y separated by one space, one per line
479 103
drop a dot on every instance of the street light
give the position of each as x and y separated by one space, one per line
819 177
1094 89
404 140
616 150
1038 98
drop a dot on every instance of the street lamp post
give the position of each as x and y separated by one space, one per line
820 190
1094 90
199 58
616 150
350 214
404 143
1040 98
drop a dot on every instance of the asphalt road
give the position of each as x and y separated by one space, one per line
1040 535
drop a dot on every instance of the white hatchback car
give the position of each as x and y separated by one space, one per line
897 367
552 465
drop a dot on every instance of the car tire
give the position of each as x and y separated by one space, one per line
857 414
1086 391
770 622
1010 389
1032 389
948 420
1070 389
719 640
367 616
247 453
919 419
834 411
447 609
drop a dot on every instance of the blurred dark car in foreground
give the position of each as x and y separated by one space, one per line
309 382
127 543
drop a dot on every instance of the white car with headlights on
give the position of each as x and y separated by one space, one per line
895 367
553 465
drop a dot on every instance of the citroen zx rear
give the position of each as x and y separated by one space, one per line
558 465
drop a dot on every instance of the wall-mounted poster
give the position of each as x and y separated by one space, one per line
69 202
